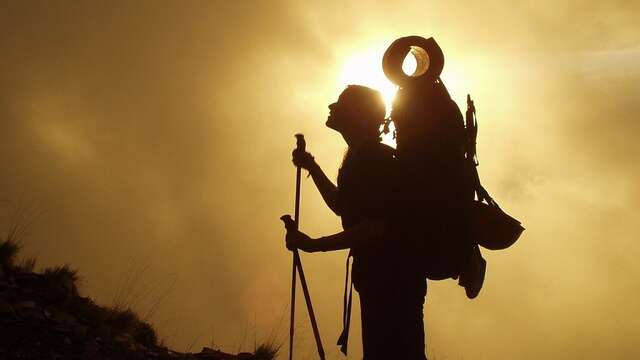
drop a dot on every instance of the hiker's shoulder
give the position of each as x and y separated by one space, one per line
377 150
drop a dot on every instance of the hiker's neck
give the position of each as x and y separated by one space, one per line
356 139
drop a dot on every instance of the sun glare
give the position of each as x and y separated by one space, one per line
365 68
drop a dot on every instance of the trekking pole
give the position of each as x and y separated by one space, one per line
297 266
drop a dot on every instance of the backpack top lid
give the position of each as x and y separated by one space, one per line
429 58
423 112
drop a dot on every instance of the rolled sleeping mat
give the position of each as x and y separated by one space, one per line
429 58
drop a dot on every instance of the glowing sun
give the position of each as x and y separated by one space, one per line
365 68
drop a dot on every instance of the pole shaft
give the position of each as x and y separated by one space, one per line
297 265
295 262
307 298
293 307
297 209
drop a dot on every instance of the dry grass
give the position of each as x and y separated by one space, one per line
128 322
8 251
12 242
61 273
28 265
60 282
267 351
11 245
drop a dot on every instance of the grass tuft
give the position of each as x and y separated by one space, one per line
128 322
61 283
145 334
11 244
61 273
28 265
8 251
122 320
267 351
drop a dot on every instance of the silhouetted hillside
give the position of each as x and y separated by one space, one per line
42 316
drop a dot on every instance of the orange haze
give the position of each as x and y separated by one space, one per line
156 136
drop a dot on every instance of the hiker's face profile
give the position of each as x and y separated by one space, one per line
353 112
338 116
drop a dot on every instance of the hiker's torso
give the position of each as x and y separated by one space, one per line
366 186
364 183
374 184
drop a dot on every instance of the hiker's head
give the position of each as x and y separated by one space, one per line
357 114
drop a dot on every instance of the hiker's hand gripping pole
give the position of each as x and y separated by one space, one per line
292 225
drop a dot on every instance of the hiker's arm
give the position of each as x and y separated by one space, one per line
326 188
367 231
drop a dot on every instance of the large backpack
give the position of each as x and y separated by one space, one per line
446 213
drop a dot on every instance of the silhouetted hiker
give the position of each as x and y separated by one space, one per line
391 289
415 212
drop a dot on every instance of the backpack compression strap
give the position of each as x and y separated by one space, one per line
471 125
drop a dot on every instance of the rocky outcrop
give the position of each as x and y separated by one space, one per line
42 316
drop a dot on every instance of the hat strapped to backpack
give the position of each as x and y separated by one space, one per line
429 60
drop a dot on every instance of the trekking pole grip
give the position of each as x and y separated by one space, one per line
301 144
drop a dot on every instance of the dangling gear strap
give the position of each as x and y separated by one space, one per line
346 309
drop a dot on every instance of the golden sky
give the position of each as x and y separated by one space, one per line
154 138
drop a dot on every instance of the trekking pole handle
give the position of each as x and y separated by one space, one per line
301 144
289 224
